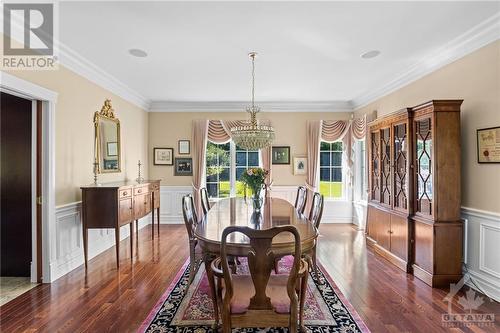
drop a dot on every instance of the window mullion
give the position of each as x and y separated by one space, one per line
232 170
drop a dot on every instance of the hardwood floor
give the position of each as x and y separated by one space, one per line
107 300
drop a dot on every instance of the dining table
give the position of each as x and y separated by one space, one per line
240 212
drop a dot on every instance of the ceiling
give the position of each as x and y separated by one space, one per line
307 51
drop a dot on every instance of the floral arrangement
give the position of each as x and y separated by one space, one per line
254 178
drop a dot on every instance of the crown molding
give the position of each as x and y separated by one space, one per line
87 69
481 35
178 106
70 59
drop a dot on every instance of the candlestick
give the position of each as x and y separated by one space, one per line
96 171
139 179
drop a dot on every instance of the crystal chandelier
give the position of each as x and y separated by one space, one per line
250 135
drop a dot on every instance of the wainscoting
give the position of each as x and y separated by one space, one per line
482 249
482 234
170 208
68 248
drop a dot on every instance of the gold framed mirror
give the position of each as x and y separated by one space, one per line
107 140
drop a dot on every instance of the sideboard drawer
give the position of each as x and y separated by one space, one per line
127 193
141 190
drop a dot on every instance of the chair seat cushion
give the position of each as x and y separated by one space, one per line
243 290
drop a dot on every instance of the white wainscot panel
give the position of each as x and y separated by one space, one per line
334 211
170 203
359 213
69 239
482 249
285 192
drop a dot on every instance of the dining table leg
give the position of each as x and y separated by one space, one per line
207 259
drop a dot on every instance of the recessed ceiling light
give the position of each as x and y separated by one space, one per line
138 53
370 54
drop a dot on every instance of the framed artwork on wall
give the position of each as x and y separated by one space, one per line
299 165
112 148
163 156
488 145
184 147
281 155
183 166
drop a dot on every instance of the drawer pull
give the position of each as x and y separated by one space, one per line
124 193
139 191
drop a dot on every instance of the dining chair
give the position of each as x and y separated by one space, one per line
260 299
301 200
315 216
190 221
205 204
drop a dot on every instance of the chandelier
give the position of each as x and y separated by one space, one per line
250 135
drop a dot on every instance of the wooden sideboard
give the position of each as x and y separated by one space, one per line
113 205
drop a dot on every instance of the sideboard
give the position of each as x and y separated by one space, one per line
113 205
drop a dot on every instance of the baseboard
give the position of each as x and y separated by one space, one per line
485 283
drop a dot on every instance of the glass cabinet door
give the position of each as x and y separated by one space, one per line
375 161
385 171
424 186
400 162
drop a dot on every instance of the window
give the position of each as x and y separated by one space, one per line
225 165
244 159
218 170
330 172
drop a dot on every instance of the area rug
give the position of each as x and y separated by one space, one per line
187 309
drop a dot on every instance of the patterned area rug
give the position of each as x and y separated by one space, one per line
183 309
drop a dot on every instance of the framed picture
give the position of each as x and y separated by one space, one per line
163 156
110 164
112 148
281 155
184 147
299 165
488 145
183 166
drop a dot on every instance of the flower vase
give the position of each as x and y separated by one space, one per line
257 201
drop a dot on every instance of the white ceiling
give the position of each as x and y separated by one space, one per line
307 51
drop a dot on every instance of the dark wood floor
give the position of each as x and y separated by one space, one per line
107 300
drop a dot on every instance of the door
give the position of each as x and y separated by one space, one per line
16 186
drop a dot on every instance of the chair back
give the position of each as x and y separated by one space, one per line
189 213
205 204
316 209
261 261
301 200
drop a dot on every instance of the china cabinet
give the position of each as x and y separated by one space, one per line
414 183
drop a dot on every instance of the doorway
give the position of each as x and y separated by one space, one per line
20 218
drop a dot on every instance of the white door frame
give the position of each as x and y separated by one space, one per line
25 89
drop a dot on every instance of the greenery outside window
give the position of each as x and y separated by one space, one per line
244 159
331 183
218 170
225 164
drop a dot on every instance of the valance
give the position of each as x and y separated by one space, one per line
219 131
333 130
358 128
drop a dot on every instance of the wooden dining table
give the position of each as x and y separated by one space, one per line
240 212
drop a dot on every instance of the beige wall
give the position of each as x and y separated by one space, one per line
166 128
475 79
77 101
